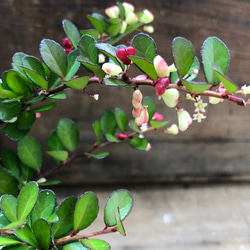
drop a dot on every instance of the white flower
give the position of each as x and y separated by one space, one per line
245 90
96 97
200 106
198 117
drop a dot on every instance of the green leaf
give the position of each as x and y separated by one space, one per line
99 22
148 101
34 64
11 161
74 246
8 183
214 52
120 199
14 132
134 127
20 247
42 233
3 220
97 128
196 87
8 207
29 151
45 107
114 29
54 57
227 83
17 61
17 83
158 124
111 138
9 110
26 171
122 12
92 32
132 28
98 155
120 226
65 214
139 143
45 205
26 119
86 211
95 244
146 66
121 119
54 142
68 134
144 46
114 82
26 200
35 99
108 123
77 83
15 225
195 65
73 64
4 241
5 94
26 235
59 96
60 155
183 53
71 31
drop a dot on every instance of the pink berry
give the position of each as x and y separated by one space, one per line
66 43
161 86
122 136
123 54
130 51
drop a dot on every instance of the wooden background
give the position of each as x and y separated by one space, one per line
216 149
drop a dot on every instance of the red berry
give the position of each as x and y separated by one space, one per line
66 43
122 136
161 86
123 54
130 51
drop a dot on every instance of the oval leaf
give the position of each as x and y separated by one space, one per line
45 107
8 183
4 241
15 225
114 82
77 83
60 155
26 119
196 87
108 123
151 108
8 207
121 119
139 143
98 155
72 32
95 244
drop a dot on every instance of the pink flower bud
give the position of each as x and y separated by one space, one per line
123 54
137 98
101 58
161 66
157 117
136 112
131 18
161 86
111 69
122 136
112 12
128 7
147 17
171 97
143 118
184 119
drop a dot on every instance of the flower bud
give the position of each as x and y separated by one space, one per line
112 12
148 28
66 43
136 112
137 98
173 130
161 85
123 27
131 18
161 66
148 147
123 54
111 69
147 17
101 58
157 117
122 136
171 97
128 7
143 118
184 119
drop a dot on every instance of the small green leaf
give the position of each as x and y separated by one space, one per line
108 123
97 128
97 69
14 132
65 214
114 82
3 220
146 66
196 87
214 52
45 107
132 28
86 211
5 94
9 110
158 124
8 183
34 64
4 241
59 96
183 53
98 155
120 199
77 83
42 233
54 57
95 244
15 225
120 226
68 134
26 119
71 31
29 151
73 64
8 207
134 127
195 65
26 171
74 246
26 200
114 29
54 142
139 143
144 46
148 101
111 138
17 60
60 155
99 22
121 119
11 162
92 32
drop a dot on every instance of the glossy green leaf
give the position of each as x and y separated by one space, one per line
29 151
77 83
120 199
26 171
26 119
11 162
132 28
74 246
54 57
97 69
183 53
54 142
195 65
3 220
5 94
92 32
25 234
98 155
120 227
108 123
73 64
20 247
8 207
60 155
144 46
98 21
35 99
68 134
42 233
45 107
65 214
158 124
59 96
122 11
196 87
139 143
15 225
114 29
214 52
86 211
45 205
146 66
97 129
71 31
17 61
95 244
26 200
8 183
134 127
121 119
111 138
114 82
4 241
14 132
227 83
9 110
148 101
34 64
